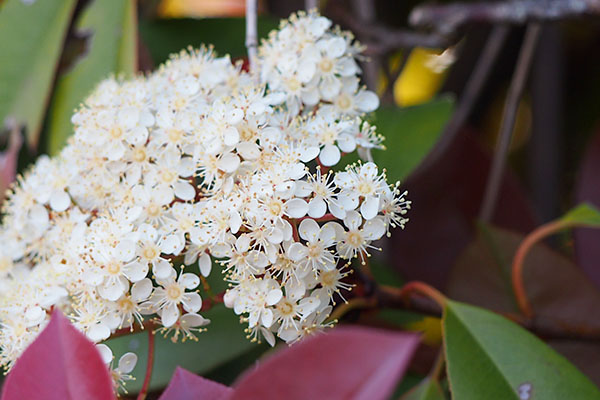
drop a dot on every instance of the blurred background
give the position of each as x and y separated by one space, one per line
461 84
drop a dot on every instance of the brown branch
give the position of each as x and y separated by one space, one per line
509 116
379 39
448 19
149 365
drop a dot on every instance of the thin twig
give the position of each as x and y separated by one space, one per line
311 5
470 95
149 365
251 35
509 116
449 18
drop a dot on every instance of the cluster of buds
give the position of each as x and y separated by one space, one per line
196 165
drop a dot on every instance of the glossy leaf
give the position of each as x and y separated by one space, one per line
588 190
348 362
111 49
426 390
559 291
583 215
187 386
60 364
31 39
223 341
410 133
490 357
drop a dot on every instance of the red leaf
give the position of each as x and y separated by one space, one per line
446 199
347 363
588 190
60 364
186 385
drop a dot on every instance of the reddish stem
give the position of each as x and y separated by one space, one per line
519 261
425 289
144 391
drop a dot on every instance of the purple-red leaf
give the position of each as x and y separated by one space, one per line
588 191
346 363
185 385
60 364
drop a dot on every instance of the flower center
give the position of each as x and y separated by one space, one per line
326 65
125 304
293 85
150 252
153 210
174 135
314 250
167 176
328 136
365 188
139 154
174 292
113 268
328 278
343 101
354 239
275 207
286 308
116 132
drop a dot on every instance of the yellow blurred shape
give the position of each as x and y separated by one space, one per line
422 76
431 327
201 8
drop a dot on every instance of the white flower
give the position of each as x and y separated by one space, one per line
166 298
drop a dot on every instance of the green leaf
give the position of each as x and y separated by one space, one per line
111 49
223 342
584 214
167 36
489 357
31 40
410 133
428 389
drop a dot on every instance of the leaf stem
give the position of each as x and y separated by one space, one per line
519 261
424 289
144 392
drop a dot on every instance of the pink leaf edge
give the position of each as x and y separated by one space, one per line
61 363
185 385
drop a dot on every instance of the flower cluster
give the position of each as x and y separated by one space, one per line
201 163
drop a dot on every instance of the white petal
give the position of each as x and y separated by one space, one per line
248 150
352 220
98 333
205 264
374 229
296 208
273 297
330 155
229 163
231 136
169 315
189 280
60 201
267 317
193 320
162 269
184 190
125 250
141 290
192 302
105 352
368 171
317 207
171 244
135 271
309 230
370 207
297 252
367 101
127 363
